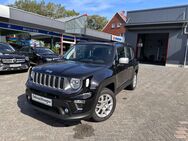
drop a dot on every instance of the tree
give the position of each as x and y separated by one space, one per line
49 9
53 10
97 22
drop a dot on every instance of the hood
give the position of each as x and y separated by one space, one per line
69 69
11 56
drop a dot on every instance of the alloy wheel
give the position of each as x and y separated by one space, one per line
104 105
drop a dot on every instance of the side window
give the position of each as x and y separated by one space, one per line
128 53
120 52
132 53
22 50
26 50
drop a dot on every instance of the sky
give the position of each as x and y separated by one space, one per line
108 8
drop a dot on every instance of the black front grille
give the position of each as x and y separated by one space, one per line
48 80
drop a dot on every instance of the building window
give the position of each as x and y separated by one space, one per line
119 25
113 25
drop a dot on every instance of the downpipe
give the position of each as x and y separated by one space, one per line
186 49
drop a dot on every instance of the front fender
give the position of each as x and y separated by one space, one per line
101 79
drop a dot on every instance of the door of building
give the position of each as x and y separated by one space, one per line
152 48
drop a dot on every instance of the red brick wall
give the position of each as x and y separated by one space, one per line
115 31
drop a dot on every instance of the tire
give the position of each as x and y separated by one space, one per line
98 113
133 85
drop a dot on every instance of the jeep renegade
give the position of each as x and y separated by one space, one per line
85 84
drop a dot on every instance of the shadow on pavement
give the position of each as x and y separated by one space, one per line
27 110
13 72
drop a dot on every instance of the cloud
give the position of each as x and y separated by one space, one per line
87 5
101 7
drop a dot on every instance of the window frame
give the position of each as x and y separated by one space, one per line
131 52
113 25
119 25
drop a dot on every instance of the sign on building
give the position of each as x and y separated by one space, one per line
117 38
27 29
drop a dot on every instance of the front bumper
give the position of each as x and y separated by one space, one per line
10 67
63 107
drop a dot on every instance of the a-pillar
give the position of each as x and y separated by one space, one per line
51 42
61 45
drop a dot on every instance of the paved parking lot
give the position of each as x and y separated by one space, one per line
156 111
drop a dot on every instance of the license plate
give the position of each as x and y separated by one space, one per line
42 100
15 65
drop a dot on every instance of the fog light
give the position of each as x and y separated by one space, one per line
66 110
28 97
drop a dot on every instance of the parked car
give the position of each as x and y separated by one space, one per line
85 84
10 60
40 55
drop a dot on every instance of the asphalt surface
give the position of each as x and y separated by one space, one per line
156 111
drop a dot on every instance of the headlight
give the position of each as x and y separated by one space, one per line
48 59
32 75
75 83
27 58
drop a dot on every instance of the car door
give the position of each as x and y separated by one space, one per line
130 66
122 70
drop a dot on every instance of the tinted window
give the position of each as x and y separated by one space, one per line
128 53
121 52
132 53
125 52
25 49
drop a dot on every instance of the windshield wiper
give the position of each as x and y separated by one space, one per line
86 60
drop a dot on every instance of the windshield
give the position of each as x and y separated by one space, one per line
43 50
92 53
5 48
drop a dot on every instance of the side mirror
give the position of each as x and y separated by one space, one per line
124 60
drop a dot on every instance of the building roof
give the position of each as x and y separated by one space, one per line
29 19
166 15
121 14
160 8
66 19
75 25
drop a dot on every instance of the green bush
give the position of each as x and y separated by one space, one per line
55 49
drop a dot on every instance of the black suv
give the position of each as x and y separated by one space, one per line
85 84
39 55
10 60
